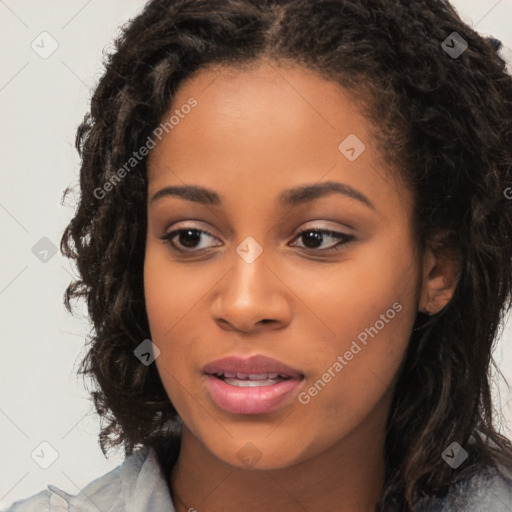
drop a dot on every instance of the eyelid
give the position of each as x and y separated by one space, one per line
169 235
185 224
311 226
343 238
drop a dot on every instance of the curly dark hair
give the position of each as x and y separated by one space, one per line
444 127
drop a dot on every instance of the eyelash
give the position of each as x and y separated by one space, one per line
343 238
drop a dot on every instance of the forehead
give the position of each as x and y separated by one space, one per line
265 127
279 109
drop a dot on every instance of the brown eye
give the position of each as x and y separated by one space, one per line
186 238
314 238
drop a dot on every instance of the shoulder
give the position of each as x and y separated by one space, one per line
489 490
138 481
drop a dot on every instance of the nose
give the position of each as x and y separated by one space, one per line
251 298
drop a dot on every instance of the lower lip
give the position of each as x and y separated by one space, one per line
251 400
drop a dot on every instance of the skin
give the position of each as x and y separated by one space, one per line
254 133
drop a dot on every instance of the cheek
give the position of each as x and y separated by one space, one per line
174 295
369 307
347 298
167 301
170 297
172 292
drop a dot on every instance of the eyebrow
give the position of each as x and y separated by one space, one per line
290 197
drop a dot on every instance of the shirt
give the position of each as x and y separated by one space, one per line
139 485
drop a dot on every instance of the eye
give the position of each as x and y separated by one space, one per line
314 237
186 237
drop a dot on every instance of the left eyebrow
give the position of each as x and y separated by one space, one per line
290 197
306 193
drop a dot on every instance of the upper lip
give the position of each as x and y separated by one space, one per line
253 365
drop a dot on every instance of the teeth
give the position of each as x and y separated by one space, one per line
251 376
250 383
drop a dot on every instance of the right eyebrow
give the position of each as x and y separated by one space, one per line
189 192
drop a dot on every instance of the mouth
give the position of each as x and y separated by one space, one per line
253 368
257 385
251 380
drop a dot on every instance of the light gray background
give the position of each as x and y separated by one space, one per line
42 101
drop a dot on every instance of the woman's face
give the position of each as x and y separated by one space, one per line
333 310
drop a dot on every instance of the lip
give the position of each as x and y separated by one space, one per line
254 364
251 400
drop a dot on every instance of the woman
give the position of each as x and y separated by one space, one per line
294 239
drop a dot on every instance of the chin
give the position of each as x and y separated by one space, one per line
258 454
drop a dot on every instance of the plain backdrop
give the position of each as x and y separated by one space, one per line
42 100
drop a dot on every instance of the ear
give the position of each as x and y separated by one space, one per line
441 271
